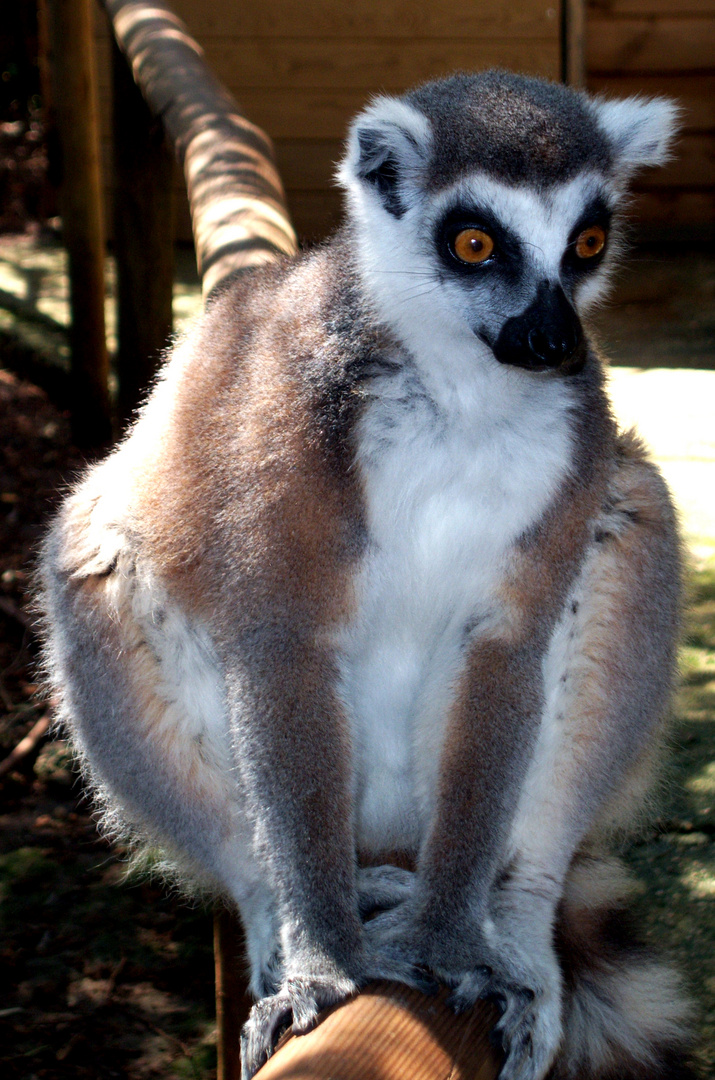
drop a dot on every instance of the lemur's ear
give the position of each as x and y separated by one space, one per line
387 148
641 130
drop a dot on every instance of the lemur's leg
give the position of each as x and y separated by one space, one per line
142 696
484 918
381 888
188 748
493 726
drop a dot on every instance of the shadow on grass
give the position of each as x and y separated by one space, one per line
677 863
106 979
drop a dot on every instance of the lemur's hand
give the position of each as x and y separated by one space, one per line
529 999
520 973
314 984
296 1004
507 958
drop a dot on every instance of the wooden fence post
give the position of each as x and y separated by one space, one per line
74 102
233 1003
573 43
143 236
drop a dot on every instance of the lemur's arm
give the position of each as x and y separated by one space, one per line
490 736
293 758
606 680
499 706
293 753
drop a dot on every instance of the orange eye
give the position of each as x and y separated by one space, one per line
590 242
473 246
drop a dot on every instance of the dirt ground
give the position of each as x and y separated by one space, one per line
103 977
100 978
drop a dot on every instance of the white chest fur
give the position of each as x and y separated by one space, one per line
449 484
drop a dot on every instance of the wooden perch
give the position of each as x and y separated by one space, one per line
389 1032
238 209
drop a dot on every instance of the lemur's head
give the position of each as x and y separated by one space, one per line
486 207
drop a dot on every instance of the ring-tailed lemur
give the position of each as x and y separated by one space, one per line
374 571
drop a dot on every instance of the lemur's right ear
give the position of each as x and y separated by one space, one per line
640 130
387 148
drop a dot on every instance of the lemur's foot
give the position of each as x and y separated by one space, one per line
270 975
392 951
296 1005
529 1028
382 887
394 967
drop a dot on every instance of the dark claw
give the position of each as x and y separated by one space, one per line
250 1063
497 1039
516 1055
517 1002
281 1029
499 1000
424 982
461 999
260 1034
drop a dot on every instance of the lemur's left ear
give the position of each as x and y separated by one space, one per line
387 148
640 130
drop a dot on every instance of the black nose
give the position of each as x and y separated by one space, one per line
545 336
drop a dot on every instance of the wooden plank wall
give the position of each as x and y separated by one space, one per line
663 47
302 68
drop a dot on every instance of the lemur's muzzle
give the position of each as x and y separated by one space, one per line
545 337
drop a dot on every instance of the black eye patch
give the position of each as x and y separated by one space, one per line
506 257
576 260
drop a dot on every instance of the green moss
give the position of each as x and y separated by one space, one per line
27 875
197 1065
26 868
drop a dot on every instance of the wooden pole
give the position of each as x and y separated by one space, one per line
573 43
48 205
233 1003
74 102
143 237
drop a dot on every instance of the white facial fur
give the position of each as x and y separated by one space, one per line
438 312
424 303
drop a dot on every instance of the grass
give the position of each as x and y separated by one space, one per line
676 862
